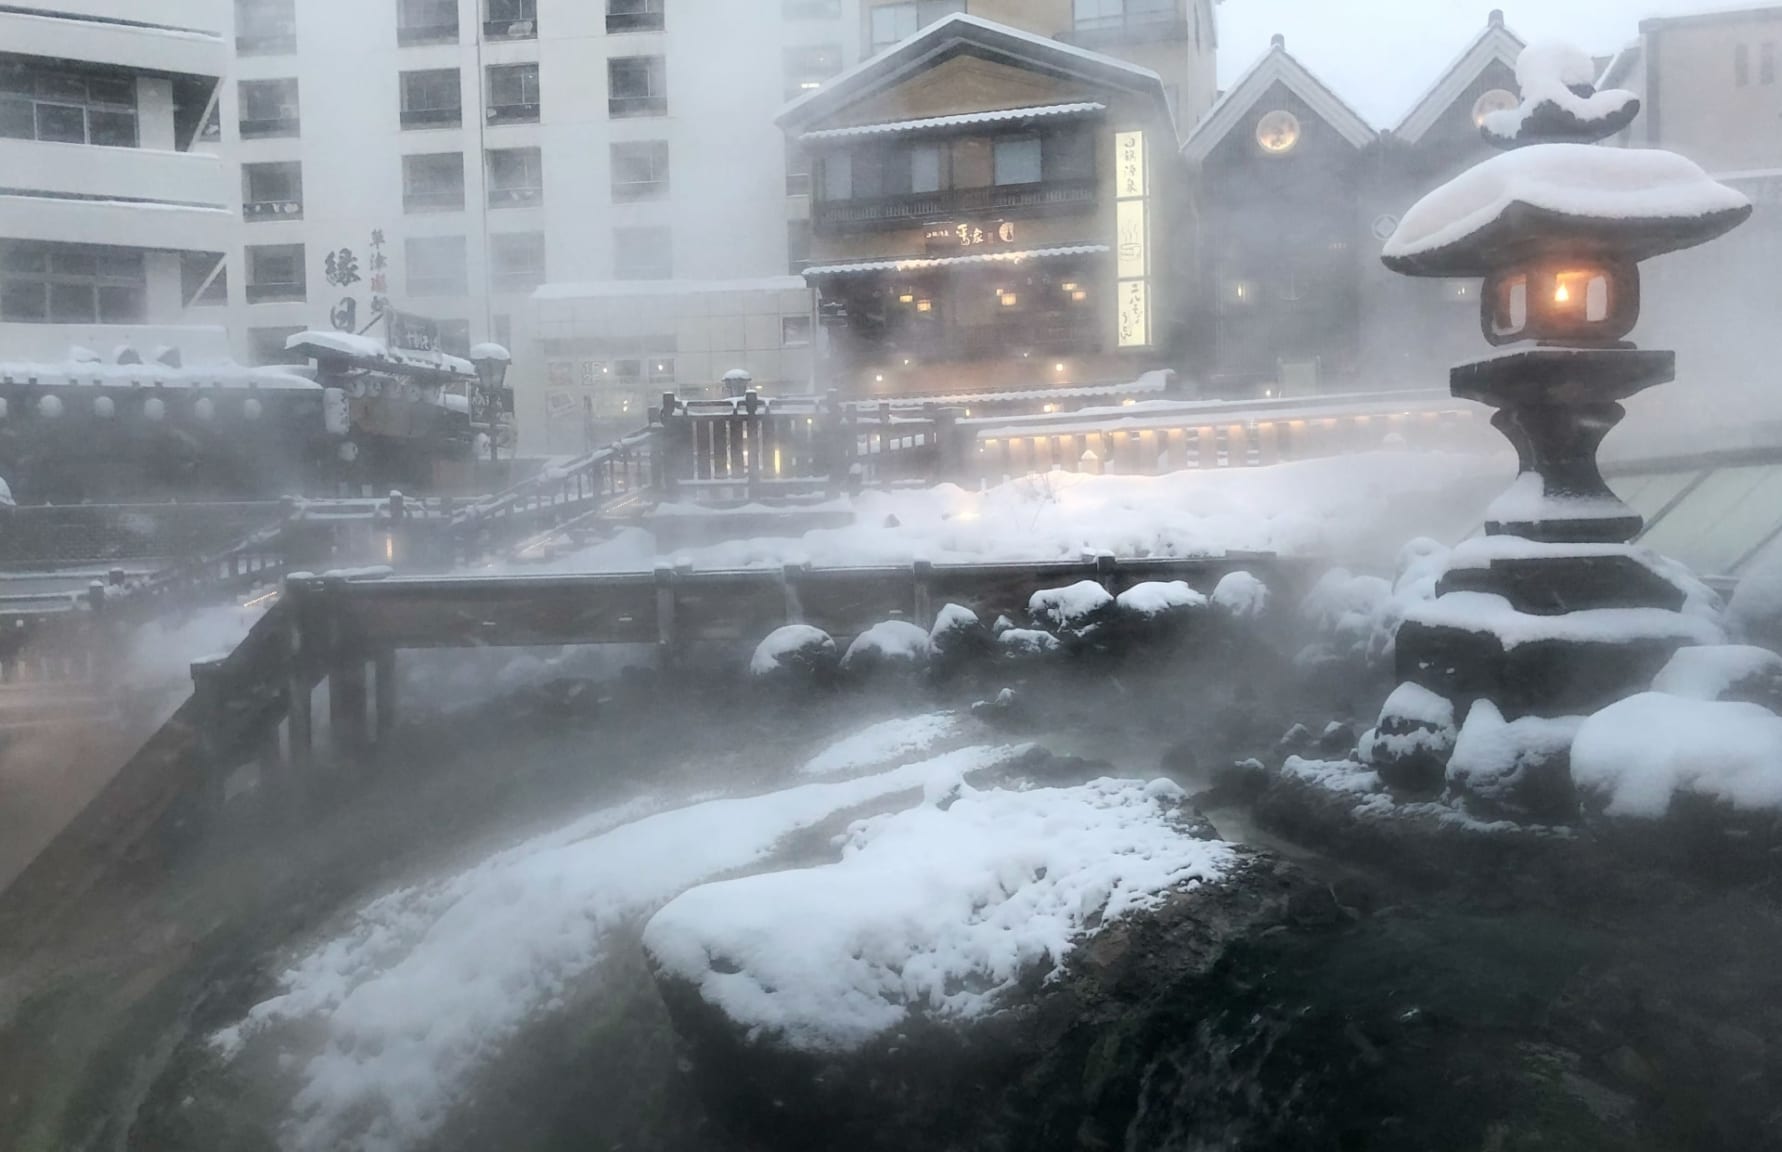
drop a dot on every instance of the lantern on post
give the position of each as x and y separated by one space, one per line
1557 229
492 362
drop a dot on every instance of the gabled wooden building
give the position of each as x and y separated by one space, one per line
1295 193
989 212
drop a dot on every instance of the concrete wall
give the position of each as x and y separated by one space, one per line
1694 104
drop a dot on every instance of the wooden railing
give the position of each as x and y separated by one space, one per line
900 211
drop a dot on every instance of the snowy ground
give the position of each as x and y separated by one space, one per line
387 1022
1358 509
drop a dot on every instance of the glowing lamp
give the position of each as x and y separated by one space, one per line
1580 303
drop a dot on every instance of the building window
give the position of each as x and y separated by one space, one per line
265 27
808 66
640 170
838 176
454 337
811 9
1019 160
798 246
643 254
510 20
433 182
798 170
1110 15
927 168
272 191
516 177
432 99
516 261
426 22
795 331
435 266
513 94
72 284
634 15
637 86
275 272
267 346
1766 63
198 288
67 105
1741 65
890 23
269 108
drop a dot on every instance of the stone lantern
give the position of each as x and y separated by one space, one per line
1552 614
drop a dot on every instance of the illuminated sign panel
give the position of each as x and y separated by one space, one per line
989 234
1134 313
1131 250
1132 241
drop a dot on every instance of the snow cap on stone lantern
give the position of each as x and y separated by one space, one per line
1555 226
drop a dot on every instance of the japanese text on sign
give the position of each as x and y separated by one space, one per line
1134 314
1129 165
991 233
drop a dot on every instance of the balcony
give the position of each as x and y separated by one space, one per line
634 22
142 47
510 29
515 197
622 107
427 34
257 211
271 129
432 117
892 212
513 113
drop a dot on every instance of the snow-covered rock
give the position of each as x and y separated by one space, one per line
1075 612
1415 735
1520 767
1560 100
1352 617
958 635
941 910
888 645
796 652
1240 596
1754 613
1026 643
1160 598
1633 757
1724 672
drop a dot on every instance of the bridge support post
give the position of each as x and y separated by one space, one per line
384 679
667 638
348 701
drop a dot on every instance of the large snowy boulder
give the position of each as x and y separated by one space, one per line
797 653
1240 596
1074 613
957 637
1634 758
1755 612
889 646
979 971
1515 768
1724 672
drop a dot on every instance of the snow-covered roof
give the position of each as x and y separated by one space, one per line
586 289
1495 43
1276 67
490 352
937 123
87 372
961 33
370 352
917 263
1633 201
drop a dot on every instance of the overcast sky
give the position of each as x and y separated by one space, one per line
1381 55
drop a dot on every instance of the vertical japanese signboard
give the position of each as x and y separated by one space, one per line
1132 241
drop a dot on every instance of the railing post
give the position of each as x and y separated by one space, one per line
677 433
922 607
751 425
347 702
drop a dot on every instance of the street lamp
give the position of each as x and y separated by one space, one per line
492 362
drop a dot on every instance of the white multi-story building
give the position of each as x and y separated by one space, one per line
115 212
451 156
